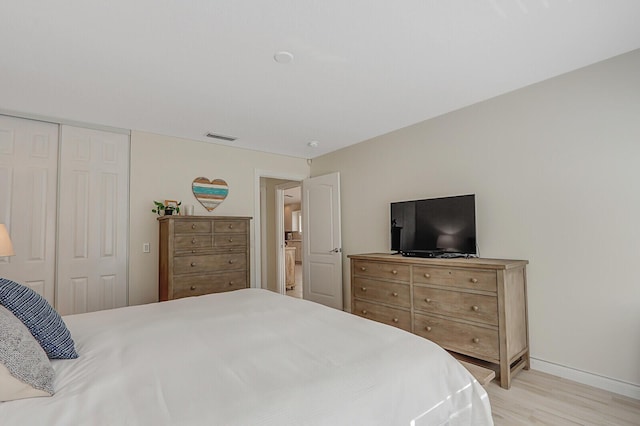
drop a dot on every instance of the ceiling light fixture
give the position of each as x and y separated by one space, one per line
313 144
283 57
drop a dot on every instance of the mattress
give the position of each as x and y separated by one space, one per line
250 357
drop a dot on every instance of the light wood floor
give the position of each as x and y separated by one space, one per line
537 398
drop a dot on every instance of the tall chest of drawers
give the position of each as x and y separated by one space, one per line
203 254
473 307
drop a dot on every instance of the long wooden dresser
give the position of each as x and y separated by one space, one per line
473 307
203 254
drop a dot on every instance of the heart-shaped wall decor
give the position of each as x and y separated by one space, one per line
210 193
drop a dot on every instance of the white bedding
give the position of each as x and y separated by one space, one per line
250 357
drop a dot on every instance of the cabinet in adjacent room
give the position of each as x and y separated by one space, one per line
203 254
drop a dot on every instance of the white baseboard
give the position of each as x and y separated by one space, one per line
612 385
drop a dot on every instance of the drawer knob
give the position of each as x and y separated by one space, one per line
476 340
364 312
230 240
475 308
230 226
474 280
193 287
427 300
193 251
394 272
363 288
230 261
427 276
427 328
230 283
362 268
395 320
193 226
193 264
394 294
193 241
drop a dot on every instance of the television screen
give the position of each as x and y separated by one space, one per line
432 226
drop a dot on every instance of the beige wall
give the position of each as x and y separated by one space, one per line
556 172
164 167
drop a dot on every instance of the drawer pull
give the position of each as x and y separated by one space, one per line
230 226
230 240
474 280
193 264
193 241
193 251
394 272
230 283
427 300
362 268
427 276
363 288
475 308
193 226
395 320
476 340
364 312
394 294
193 287
427 328
230 261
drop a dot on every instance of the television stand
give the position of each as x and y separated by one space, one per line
474 307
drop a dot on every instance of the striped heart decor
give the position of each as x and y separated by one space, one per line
210 193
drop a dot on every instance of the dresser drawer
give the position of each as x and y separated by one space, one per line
390 271
186 285
192 242
208 263
230 226
382 291
192 227
475 307
465 278
467 339
395 317
230 240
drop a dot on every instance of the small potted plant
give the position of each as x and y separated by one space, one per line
167 208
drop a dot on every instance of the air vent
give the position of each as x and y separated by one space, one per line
221 137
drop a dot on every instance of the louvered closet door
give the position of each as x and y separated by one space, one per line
93 220
28 168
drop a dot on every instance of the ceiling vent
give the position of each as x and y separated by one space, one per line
221 137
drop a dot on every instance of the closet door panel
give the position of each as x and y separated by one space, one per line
28 185
93 225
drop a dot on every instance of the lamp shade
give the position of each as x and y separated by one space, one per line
6 248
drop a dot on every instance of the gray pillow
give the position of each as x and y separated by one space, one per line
25 370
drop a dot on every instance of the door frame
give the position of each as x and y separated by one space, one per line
256 271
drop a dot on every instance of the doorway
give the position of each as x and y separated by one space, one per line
293 237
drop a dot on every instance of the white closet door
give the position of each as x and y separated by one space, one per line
28 167
93 220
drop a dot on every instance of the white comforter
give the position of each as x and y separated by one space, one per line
250 357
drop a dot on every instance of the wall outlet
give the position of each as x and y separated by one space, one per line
146 248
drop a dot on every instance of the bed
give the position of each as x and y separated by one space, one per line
250 357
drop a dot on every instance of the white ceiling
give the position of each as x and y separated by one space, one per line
361 68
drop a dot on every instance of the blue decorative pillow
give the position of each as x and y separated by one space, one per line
41 319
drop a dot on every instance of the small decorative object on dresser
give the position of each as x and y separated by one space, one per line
474 307
203 254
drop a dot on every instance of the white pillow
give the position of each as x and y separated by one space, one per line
25 370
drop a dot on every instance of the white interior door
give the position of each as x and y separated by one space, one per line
322 243
28 172
93 220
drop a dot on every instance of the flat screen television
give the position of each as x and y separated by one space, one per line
434 227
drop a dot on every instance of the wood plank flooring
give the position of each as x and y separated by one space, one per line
537 398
